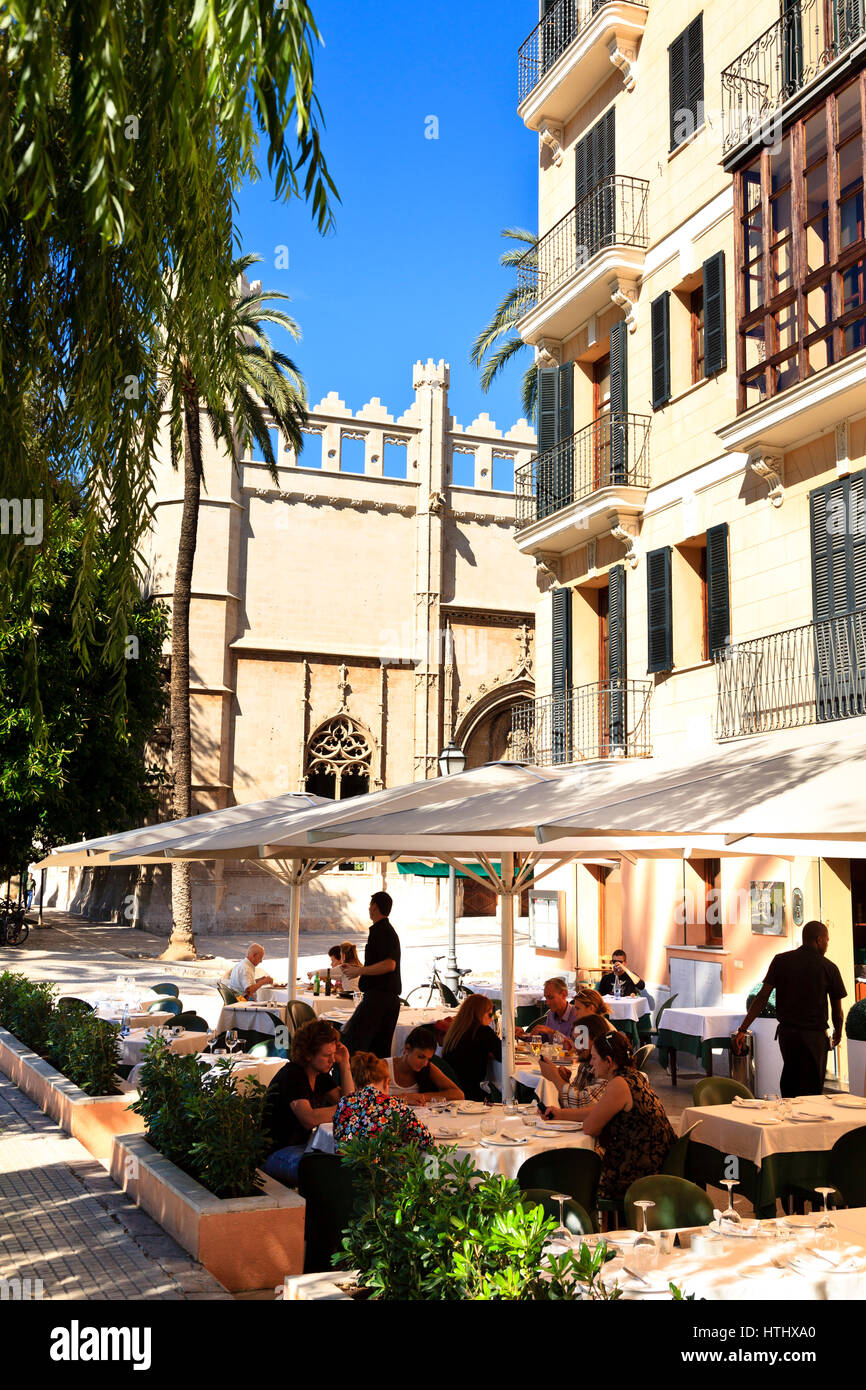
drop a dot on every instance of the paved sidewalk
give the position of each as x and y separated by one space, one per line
65 1222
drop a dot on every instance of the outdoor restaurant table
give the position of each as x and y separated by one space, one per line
742 1267
262 1068
112 1012
698 1031
132 1046
524 995
464 1134
773 1157
253 1017
625 1010
528 1072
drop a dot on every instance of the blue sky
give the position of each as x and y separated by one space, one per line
412 270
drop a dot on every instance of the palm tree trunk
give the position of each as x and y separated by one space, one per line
181 944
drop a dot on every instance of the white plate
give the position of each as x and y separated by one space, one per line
503 1143
850 1102
766 1120
747 1230
811 1219
559 1126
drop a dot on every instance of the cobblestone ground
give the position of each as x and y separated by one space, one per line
64 1221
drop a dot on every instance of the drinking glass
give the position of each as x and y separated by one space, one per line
562 1232
356 995
771 1099
536 1045
232 1040
645 1248
825 1231
488 1124
730 1214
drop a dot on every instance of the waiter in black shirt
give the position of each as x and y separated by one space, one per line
803 980
371 1027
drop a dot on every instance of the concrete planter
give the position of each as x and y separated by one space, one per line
856 1066
309 1288
95 1121
245 1242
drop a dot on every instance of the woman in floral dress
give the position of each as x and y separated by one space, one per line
372 1110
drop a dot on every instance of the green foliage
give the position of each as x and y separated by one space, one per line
81 1046
428 1226
498 343
855 1023
769 1009
67 768
125 127
211 1129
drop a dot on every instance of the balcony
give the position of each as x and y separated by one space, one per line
584 486
570 53
806 675
587 722
787 58
593 253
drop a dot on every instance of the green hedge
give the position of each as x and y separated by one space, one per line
80 1045
769 1009
855 1023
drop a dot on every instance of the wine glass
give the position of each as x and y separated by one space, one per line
232 1040
730 1213
562 1232
644 1246
825 1231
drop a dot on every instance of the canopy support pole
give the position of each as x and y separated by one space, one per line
507 914
294 933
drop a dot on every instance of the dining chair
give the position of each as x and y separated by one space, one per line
166 987
575 1171
574 1218
166 1005
846 1172
259 1050
677 1156
297 1013
228 995
719 1090
677 1202
194 1022
654 1036
70 1005
325 1183
641 1055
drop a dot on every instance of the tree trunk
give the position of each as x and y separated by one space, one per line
181 944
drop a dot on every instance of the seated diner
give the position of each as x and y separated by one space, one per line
577 1084
560 1017
370 1110
471 1044
414 1077
302 1095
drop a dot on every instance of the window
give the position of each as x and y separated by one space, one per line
594 190
838 527
561 675
714 318
686 59
554 473
718 597
659 610
708 902
544 931
338 760
660 314
801 250
696 315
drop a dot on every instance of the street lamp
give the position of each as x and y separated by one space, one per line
452 759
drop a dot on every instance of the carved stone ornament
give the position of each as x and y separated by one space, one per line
548 352
436 503
623 294
591 557
624 57
770 467
551 136
626 538
549 567
344 688
843 457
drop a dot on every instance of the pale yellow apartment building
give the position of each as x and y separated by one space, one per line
697 303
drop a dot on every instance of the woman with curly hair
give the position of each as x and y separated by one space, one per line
302 1095
371 1110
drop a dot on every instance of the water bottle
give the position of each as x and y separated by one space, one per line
317 984
124 1022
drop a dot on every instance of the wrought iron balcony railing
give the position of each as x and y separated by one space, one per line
784 60
613 214
609 720
806 675
612 451
550 38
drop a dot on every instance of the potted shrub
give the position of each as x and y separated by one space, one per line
855 1031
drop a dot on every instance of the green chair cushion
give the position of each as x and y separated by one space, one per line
677 1203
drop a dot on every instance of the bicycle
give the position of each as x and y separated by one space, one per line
14 927
435 984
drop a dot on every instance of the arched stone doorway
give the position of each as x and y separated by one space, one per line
483 732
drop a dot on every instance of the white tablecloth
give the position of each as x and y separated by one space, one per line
463 1132
320 1004
734 1129
263 1069
742 1269
716 1021
138 1019
255 1018
132 1046
632 1006
340 1011
528 1073
524 995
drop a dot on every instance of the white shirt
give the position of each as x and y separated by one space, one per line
394 1089
243 976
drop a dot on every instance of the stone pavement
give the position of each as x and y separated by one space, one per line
64 1221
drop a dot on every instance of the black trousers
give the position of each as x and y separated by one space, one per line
804 1058
371 1027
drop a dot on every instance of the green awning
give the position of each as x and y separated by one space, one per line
441 870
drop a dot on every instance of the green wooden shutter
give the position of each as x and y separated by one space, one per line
618 403
792 46
695 70
659 610
839 595
848 22
605 171
548 402
715 333
616 611
660 312
561 676
677 83
718 590
563 457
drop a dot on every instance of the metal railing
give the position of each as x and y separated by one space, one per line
612 451
805 675
550 38
613 214
785 59
609 720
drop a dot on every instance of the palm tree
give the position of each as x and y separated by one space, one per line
498 343
258 384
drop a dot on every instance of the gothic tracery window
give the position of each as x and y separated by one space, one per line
338 760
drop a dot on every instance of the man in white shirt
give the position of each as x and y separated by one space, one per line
243 975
